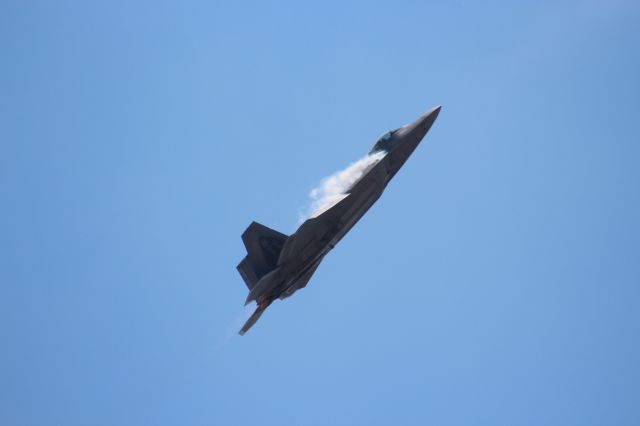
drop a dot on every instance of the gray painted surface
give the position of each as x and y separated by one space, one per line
276 266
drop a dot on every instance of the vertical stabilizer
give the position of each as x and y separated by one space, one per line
263 246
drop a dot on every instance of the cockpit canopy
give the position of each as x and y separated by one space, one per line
383 144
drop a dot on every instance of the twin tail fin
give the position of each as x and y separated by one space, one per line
263 246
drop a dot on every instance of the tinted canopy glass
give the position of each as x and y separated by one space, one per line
382 144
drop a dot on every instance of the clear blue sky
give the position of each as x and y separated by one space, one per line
496 282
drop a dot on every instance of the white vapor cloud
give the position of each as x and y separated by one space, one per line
332 189
232 329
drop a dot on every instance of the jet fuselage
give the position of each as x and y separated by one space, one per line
299 255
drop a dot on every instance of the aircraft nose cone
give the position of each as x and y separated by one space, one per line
421 125
433 112
408 137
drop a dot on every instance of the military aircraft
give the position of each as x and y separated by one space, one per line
277 265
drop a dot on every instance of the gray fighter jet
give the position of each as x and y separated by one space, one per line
277 265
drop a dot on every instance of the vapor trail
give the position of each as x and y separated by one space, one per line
334 188
232 328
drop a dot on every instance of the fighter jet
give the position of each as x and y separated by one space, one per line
277 265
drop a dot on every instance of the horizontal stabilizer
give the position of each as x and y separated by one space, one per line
247 273
253 318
